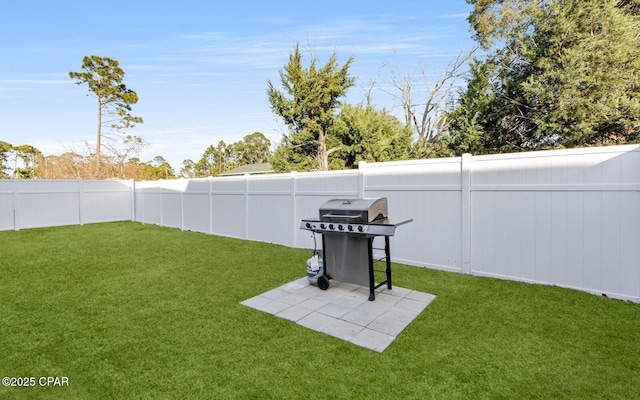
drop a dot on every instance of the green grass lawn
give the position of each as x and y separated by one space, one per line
131 311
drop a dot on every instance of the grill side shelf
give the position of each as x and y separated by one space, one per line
378 228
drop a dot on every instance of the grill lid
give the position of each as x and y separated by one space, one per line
354 210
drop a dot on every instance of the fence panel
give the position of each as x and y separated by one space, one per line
568 218
429 192
172 207
270 210
106 201
196 206
7 208
562 217
44 203
229 207
148 203
47 203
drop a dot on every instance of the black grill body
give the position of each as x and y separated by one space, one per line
348 228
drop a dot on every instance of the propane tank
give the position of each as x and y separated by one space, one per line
315 269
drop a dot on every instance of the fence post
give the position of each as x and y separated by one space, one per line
246 205
211 205
182 207
16 205
132 194
362 165
294 228
161 202
142 204
465 193
80 202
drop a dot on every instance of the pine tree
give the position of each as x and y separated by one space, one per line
308 106
558 73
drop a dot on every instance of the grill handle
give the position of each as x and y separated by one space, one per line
341 216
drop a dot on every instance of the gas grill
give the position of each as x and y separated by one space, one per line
348 228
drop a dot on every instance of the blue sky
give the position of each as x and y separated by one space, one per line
201 68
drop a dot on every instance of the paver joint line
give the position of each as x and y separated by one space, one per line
343 311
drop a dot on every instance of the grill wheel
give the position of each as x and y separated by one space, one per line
323 282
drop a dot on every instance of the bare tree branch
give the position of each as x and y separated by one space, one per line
428 117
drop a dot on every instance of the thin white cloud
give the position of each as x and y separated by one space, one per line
12 89
34 82
453 16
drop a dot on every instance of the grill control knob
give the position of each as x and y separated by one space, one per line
360 228
308 225
331 226
322 226
350 227
341 227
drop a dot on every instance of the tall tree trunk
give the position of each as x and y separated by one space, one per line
323 157
99 140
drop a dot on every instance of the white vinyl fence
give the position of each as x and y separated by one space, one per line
43 203
564 217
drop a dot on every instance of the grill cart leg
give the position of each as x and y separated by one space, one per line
323 283
372 281
387 254
387 270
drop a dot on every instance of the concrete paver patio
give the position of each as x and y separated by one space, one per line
344 311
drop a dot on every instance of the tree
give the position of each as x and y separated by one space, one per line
119 154
468 120
30 157
27 161
104 78
215 160
308 104
367 134
427 114
188 169
252 149
560 73
592 90
158 168
5 152
69 165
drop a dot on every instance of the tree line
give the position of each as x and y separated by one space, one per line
551 74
